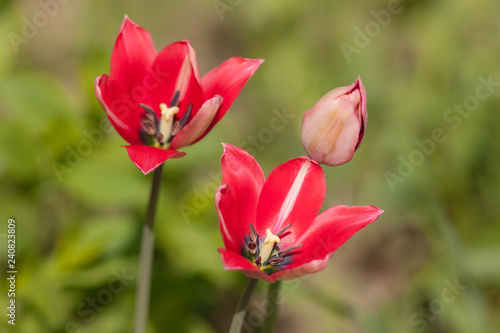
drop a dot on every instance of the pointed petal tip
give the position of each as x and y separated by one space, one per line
310 160
307 159
372 211
379 210
127 21
148 158
375 208
183 43
228 148
251 65
237 155
179 154
369 209
256 62
360 84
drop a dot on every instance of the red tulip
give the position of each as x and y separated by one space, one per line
270 227
158 102
333 129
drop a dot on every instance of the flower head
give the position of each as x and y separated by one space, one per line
158 102
333 129
270 227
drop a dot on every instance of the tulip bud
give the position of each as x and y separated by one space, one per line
333 129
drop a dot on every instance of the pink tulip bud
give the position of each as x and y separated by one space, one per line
333 129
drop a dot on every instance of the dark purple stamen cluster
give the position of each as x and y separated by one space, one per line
151 122
279 257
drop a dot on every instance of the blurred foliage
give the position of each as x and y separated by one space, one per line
79 228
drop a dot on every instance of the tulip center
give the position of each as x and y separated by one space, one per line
159 131
267 254
167 120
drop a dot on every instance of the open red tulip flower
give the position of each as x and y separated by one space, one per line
270 227
158 102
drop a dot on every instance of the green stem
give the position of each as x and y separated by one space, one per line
146 257
241 308
272 307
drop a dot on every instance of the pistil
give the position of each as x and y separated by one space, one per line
268 246
166 122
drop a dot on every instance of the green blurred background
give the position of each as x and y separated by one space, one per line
79 228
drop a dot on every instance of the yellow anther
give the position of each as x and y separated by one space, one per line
168 113
267 248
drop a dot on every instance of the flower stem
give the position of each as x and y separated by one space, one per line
241 308
146 257
272 307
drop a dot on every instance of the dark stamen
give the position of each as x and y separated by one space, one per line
150 122
253 233
286 252
257 261
253 244
252 247
159 137
148 126
178 125
150 114
186 116
283 230
276 260
175 99
175 129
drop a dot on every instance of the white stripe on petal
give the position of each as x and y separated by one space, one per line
184 77
110 113
221 217
291 197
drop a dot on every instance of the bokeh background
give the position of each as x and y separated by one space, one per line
431 263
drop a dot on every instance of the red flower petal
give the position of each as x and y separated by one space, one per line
242 172
131 61
292 194
126 86
311 267
227 212
148 158
190 77
175 68
132 56
123 120
227 80
233 261
198 124
330 230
